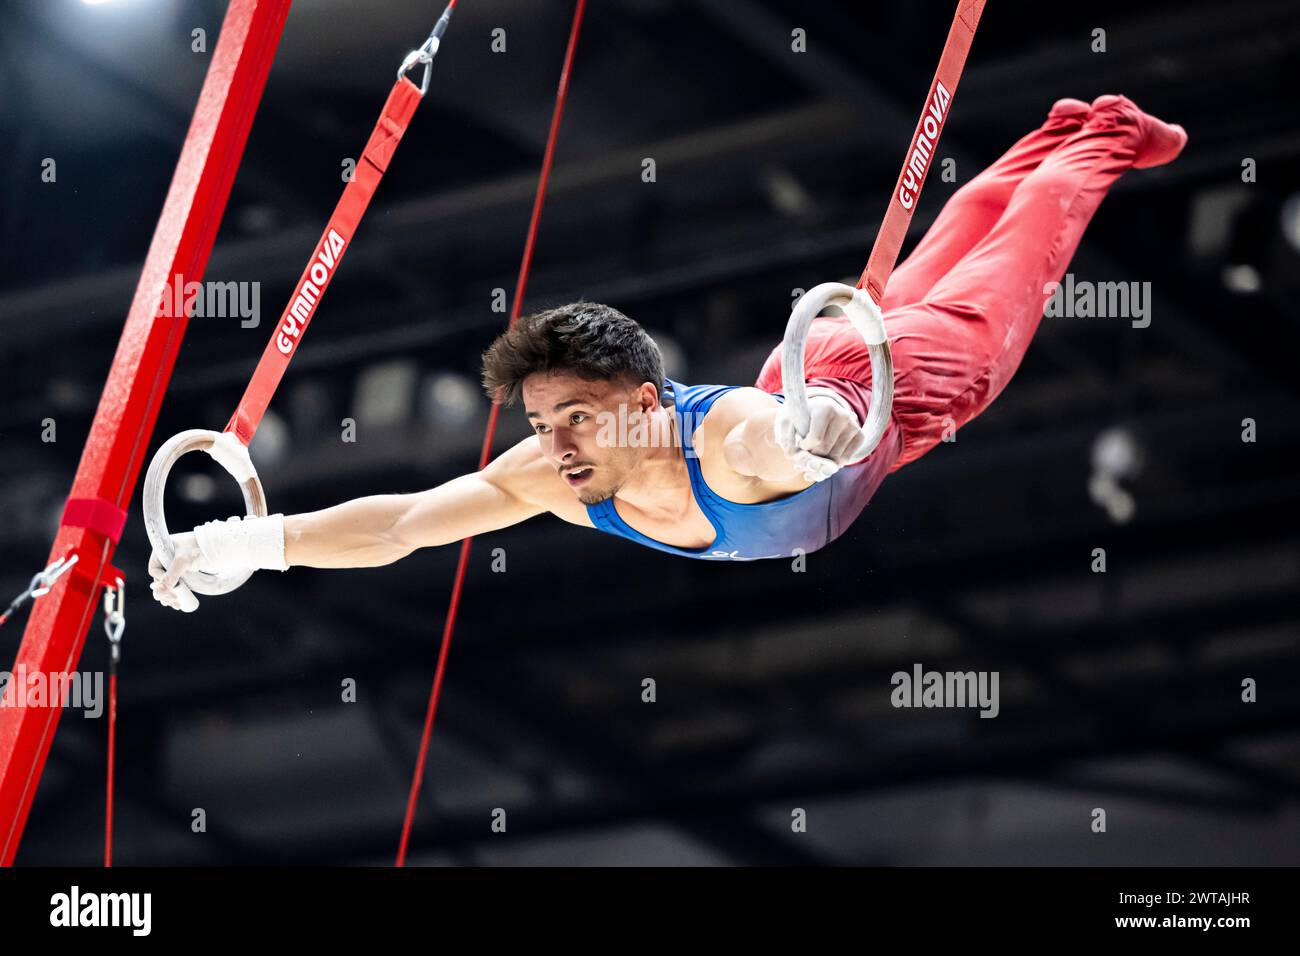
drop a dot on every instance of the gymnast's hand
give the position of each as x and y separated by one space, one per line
223 547
834 438
167 586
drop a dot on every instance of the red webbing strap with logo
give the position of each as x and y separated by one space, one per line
920 154
334 241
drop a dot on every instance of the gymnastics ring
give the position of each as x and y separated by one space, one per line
862 311
229 452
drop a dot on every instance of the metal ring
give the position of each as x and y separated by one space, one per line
155 520
866 318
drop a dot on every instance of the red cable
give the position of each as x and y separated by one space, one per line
449 627
112 731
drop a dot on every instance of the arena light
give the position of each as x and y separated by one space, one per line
1116 457
1291 220
1242 278
449 399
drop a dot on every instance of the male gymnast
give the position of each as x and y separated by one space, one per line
717 471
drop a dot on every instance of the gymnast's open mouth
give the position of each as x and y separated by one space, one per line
578 476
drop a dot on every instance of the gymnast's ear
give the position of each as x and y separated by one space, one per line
648 396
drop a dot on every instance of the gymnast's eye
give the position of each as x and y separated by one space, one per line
577 418
539 429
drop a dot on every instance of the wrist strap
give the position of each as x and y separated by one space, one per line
238 544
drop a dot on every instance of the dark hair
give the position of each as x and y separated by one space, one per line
586 339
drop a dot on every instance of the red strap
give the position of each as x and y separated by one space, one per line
315 279
97 514
921 152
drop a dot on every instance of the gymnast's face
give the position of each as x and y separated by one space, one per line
582 426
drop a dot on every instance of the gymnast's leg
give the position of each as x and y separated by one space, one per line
955 350
835 356
975 208
834 349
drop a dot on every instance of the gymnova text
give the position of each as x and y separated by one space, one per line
75 908
927 138
637 429
34 688
922 688
1082 299
217 300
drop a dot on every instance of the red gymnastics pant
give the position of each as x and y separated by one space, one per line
960 312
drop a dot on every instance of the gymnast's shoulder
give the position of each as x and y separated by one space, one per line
738 455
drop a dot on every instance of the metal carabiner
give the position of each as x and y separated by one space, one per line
40 584
43 581
115 615
428 50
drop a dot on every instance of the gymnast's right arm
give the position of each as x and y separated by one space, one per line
365 532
